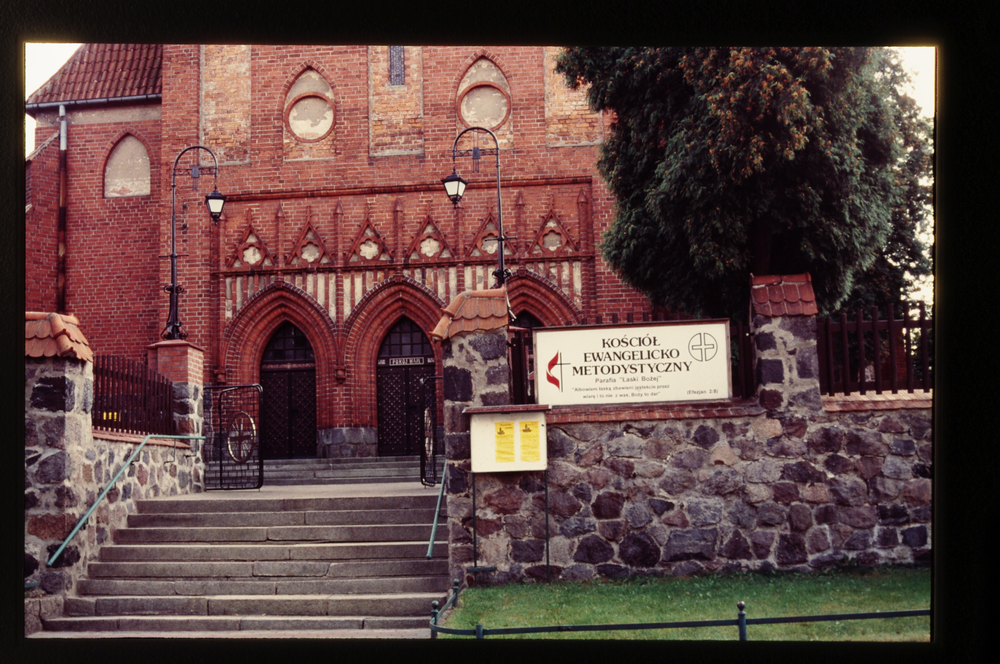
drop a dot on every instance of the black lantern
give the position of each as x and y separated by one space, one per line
454 186
215 201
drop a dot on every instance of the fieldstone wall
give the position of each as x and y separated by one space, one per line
67 466
347 442
782 483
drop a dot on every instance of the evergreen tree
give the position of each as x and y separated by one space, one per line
731 161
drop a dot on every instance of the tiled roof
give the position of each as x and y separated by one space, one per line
788 295
100 71
474 310
49 335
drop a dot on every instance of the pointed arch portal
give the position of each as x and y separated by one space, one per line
288 402
405 358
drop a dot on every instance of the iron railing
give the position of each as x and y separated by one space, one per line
232 453
111 484
740 622
431 448
131 398
857 355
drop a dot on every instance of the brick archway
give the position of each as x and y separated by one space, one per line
542 299
247 335
372 319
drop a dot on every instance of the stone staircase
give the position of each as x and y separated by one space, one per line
224 565
284 472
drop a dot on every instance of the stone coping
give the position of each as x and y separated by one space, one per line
654 411
514 408
136 439
872 401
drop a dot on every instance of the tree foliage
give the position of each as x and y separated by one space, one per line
731 161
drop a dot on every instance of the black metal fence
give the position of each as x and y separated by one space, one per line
130 397
740 622
891 354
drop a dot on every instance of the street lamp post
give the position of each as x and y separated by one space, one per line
214 201
454 186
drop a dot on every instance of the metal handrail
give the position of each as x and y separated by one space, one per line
437 514
110 485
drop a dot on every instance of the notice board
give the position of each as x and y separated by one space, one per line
599 365
508 441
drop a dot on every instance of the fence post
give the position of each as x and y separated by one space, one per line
742 620
434 619
479 632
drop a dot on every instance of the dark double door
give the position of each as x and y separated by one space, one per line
288 425
288 399
404 361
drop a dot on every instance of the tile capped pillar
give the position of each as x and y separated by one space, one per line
183 363
786 361
473 337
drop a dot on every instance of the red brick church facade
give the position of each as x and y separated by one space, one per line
331 159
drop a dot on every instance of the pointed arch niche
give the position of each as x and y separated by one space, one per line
309 115
483 99
126 170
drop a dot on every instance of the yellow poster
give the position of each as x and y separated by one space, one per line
530 450
505 442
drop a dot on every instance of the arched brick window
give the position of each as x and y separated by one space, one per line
126 172
310 115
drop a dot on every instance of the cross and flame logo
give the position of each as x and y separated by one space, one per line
556 361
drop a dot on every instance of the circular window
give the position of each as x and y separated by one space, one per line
310 117
484 105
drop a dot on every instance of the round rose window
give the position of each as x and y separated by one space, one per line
484 106
310 117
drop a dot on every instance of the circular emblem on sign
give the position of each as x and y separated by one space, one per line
703 347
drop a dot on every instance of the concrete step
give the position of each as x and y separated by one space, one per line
237 519
353 551
359 533
148 571
251 503
281 585
119 626
376 605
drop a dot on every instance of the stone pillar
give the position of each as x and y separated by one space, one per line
59 395
786 362
473 336
182 363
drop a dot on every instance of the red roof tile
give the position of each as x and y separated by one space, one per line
474 310
50 335
100 71
788 295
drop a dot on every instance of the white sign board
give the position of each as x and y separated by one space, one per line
675 361
507 442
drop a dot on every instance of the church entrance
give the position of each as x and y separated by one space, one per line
288 402
404 358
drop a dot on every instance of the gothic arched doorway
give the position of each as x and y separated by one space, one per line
288 402
404 358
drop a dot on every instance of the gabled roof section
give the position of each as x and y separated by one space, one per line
787 295
474 310
105 71
50 335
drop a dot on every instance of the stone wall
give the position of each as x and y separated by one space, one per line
67 466
782 481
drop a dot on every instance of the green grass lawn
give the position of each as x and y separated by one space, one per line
645 600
